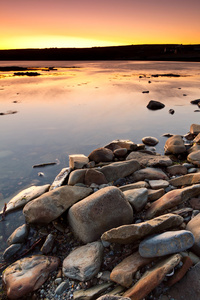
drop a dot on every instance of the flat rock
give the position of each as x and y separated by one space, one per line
120 169
116 144
25 196
101 155
51 205
91 293
136 185
150 141
188 287
127 234
28 274
110 297
99 212
194 158
152 278
194 226
137 198
149 173
148 160
171 199
123 273
77 161
166 243
177 170
155 194
188 179
175 145
155 105
195 129
158 184
84 262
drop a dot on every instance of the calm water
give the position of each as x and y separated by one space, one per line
84 105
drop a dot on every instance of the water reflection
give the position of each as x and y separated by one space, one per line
79 106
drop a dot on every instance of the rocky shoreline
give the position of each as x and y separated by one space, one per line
120 223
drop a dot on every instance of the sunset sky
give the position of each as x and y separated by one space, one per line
88 23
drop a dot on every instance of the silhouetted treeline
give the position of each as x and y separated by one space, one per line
132 52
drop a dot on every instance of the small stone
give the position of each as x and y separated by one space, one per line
10 251
121 152
137 198
19 235
195 129
77 161
177 170
158 184
101 155
150 141
48 244
62 288
155 194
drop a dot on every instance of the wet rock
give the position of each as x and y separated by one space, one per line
101 155
28 274
91 293
155 194
150 141
195 129
123 273
171 199
136 185
117 144
84 262
171 111
188 179
11 251
166 243
101 211
137 198
188 287
152 278
48 244
154 105
131 233
194 158
195 101
62 288
120 169
177 170
19 235
121 152
148 160
77 161
149 173
60 178
158 184
51 205
175 145
194 227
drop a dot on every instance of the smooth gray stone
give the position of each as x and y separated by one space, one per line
62 288
166 243
10 251
19 235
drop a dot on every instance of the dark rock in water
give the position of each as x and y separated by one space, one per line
145 92
197 101
154 105
27 74
11 250
171 111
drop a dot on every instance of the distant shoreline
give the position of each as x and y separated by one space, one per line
162 52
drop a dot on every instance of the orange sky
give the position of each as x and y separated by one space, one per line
88 23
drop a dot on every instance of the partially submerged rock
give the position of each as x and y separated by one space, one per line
155 105
175 145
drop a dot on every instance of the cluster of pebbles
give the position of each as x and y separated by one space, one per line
120 223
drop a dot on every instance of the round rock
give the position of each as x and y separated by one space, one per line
150 141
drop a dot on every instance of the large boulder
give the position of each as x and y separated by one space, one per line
51 205
149 160
28 274
99 212
101 155
120 169
175 145
84 262
171 199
